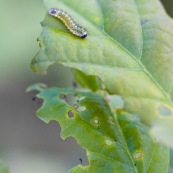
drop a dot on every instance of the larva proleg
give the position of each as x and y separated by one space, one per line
69 22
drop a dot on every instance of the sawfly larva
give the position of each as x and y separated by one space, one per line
69 22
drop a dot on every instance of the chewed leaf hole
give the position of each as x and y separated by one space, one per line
80 98
74 101
70 114
63 97
138 155
81 108
96 121
165 111
108 142
70 99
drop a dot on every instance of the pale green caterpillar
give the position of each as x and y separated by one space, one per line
69 22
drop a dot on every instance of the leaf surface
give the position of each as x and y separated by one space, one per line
115 143
129 47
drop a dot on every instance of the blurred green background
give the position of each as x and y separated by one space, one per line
28 145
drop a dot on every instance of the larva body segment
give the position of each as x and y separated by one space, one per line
69 22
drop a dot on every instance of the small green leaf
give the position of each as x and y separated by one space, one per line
3 168
91 82
115 143
129 47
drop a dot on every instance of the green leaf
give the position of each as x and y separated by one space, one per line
171 161
116 143
91 82
129 47
3 168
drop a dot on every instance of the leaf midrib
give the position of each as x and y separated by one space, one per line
143 68
140 64
103 134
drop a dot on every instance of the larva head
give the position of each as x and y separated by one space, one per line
81 32
84 34
53 11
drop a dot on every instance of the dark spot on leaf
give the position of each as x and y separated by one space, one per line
70 114
80 159
143 22
38 39
63 97
74 84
